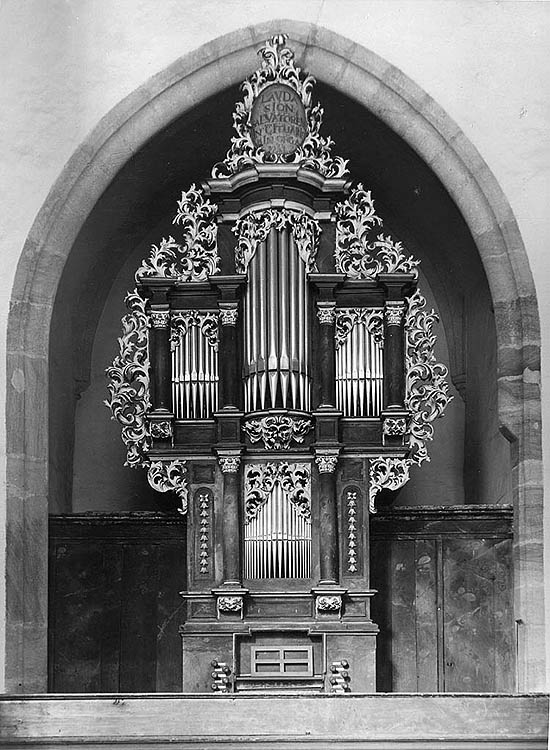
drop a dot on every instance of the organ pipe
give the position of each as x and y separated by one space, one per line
359 374
195 375
277 541
276 333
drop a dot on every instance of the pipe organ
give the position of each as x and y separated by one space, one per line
277 388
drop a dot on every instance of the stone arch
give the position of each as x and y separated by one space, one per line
412 114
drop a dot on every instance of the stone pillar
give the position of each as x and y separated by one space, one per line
394 355
161 391
230 464
326 461
230 380
326 313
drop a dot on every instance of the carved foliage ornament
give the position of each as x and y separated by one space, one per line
360 253
230 603
312 150
129 381
427 391
253 228
326 461
277 431
195 257
170 477
386 473
206 322
348 317
328 603
294 480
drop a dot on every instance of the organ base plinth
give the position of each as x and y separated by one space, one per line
279 642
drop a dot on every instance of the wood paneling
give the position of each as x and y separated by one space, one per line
444 604
114 603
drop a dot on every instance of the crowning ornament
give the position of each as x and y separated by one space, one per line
276 122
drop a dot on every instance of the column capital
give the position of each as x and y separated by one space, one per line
394 313
228 313
326 313
326 460
160 318
230 461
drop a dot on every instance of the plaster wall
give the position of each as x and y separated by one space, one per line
65 65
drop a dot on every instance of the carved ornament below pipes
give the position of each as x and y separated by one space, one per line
348 317
277 431
129 399
254 228
195 257
359 254
206 322
300 141
294 480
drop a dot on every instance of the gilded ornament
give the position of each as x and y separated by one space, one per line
326 460
229 464
207 322
328 603
326 313
386 472
348 317
230 603
229 316
160 430
170 476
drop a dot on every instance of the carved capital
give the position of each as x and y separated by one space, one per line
230 604
394 313
160 318
229 464
229 315
326 460
326 312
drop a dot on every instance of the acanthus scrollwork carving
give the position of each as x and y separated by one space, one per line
359 253
207 323
386 472
129 399
170 476
195 257
427 391
253 228
277 431
348 317
294 480
314 152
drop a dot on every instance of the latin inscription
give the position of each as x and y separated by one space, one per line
278 120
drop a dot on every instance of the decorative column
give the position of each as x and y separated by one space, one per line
326 460
161 399
394 355
230 464
230 381
326 313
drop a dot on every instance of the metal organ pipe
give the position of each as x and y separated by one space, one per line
195 375
359 374
277 541
276 340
